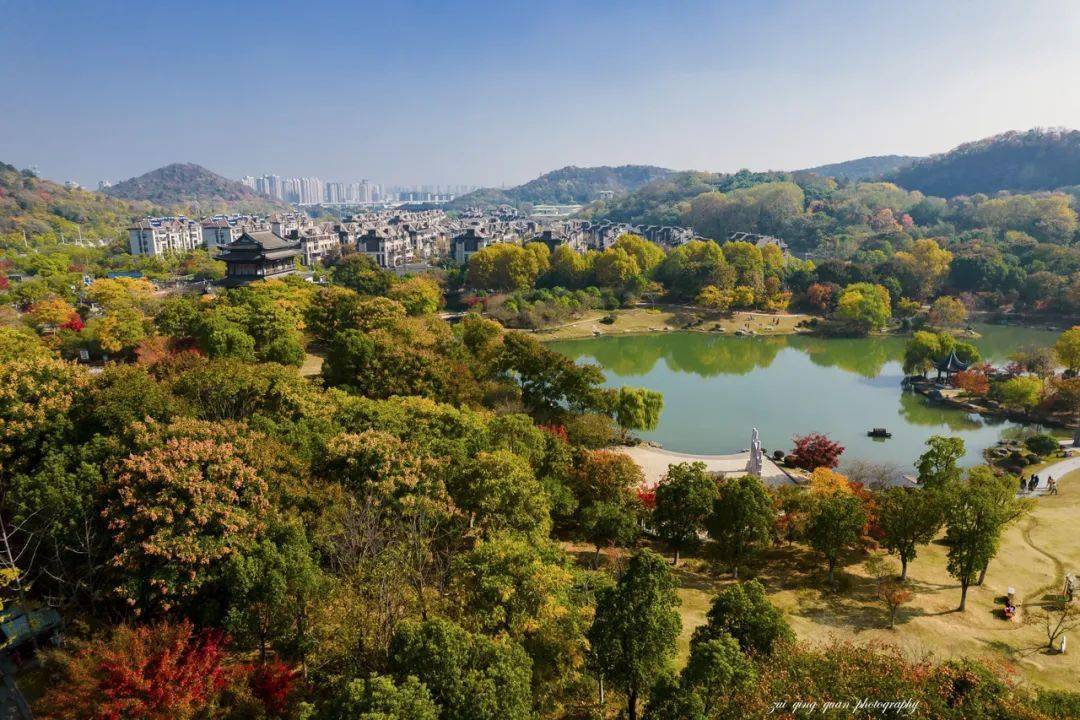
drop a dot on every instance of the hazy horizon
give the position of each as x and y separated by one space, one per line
498 93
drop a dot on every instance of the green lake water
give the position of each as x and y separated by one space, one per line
716 388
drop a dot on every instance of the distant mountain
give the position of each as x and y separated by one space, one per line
43 208
1038 159
187 184
866 168
566 186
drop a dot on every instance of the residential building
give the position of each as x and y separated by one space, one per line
386 248
164 236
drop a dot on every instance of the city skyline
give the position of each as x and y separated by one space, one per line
494 94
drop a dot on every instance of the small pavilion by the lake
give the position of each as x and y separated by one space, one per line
950 366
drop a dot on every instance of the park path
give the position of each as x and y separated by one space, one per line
654 463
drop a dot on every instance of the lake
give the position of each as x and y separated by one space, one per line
716 388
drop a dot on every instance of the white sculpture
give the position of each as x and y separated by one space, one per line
753 465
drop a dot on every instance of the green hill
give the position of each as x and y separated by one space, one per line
865 168
566 186
45 209
1038 159
194 187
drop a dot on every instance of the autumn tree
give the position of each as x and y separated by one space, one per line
153 672
360 273
947 312
1067 348
684 501
633 633
863 308
816 450
419 295
741 520
378 697
175 511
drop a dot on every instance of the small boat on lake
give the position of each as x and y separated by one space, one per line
881 433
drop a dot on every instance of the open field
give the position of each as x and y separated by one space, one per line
662 318
1034 556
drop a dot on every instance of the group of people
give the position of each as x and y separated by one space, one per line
1030 485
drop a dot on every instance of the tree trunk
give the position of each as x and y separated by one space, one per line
631 705
676 560
600 683
735 572
903 569
982 574
892 616
832 564
596 559
963 595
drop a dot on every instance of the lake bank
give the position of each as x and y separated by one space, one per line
671 318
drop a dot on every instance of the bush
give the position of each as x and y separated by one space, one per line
1042 444
608 320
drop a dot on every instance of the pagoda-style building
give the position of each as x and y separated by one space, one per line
258 255
950 366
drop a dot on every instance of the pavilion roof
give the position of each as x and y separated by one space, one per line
951 364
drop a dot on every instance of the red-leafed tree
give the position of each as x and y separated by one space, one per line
816 450
154 672
820 296
273 684
974 381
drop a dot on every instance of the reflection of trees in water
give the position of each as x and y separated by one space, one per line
998 342
915 409
628 355
863 356
707 355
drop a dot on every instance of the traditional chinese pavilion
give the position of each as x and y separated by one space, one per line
258 255
950 366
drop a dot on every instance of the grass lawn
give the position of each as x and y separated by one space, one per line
1034 556
663 318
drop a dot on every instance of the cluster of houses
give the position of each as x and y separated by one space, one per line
256 248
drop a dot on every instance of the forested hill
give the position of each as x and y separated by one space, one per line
187 184
865 168
568 185
1037 159
45 209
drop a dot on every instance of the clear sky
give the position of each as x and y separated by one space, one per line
498 92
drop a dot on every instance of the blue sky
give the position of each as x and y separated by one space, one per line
498 92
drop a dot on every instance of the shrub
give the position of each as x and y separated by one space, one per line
1042 444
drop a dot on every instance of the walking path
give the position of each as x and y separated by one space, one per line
1057 471
654 463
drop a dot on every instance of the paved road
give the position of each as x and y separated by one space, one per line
654 464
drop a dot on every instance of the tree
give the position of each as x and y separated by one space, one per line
615 268
684 500
1057 617
741 520
717 668
500 491
636 624
714 298
1067 348
470 676
378 697
120 330
1024 392
153 672
35 397
938 466
947 312
271 589
610 523
504 266
908 518
419 295
743 612
836 523
863 308
360 273
647 255
638 408
175 511
816 450
927 263
975 515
